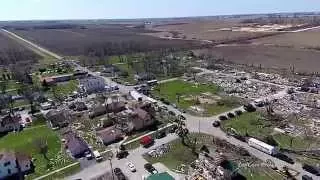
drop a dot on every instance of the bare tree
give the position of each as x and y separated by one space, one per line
28 92
3 86
42 147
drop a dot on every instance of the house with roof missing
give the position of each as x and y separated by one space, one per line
110 135
14 164
75 144
10 123
141 119
115 107
58 118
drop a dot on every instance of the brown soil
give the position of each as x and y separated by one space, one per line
268 56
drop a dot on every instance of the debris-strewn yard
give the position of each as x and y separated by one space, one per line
64 89
195 97
251 123
178 153
25 141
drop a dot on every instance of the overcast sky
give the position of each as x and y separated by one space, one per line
122 9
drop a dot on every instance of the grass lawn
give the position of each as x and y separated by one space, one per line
169 91
180 154
24 142
253 123
11 84
21 102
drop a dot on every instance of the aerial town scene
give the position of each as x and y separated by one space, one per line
221 97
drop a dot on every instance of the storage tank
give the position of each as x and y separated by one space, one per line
264 147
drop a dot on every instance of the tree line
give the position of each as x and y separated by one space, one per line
15 55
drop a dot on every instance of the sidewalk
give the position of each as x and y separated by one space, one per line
58 170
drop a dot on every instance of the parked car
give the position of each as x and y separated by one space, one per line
131 167
249 108
311 169
122 154
285 158
97 156
238 112
230 115
172 113
150 168
223 118
306 177
164 108
182 117
88 155
161 134
119 174
216 124
173 129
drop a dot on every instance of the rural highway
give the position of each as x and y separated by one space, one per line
192 123
29 43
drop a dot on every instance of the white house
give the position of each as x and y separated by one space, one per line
13 163
8 165
93 84
9 123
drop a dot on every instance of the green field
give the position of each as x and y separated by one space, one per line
21 102
24 141
251 123
183 95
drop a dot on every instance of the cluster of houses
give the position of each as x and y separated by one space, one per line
126 115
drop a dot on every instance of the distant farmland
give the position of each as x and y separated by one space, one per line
108 40
12 52
307 39
268 56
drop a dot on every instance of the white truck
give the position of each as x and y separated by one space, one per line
97 156
264 147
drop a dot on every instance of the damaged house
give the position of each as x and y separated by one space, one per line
110 135
58 118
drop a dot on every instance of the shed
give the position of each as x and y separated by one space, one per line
160 176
